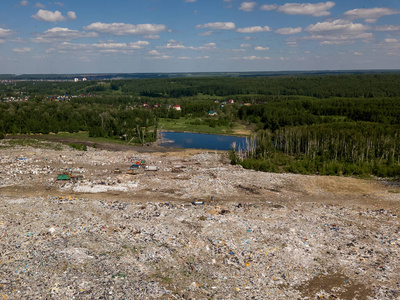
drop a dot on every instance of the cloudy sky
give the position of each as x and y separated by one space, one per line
91 36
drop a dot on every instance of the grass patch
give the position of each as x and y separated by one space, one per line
84 137
166 279
79 147
192 125
33 143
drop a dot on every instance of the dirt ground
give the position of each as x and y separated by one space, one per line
108 235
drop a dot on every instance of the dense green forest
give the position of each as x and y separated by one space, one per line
322 86
313 124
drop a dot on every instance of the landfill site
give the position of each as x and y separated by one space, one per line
186 224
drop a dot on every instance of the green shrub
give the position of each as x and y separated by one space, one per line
79 147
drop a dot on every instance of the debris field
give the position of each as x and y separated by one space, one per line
194 228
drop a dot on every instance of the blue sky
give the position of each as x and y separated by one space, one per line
99 36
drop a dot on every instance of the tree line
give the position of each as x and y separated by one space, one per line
98 119
318 86
358 148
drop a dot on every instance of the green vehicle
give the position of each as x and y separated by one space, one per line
63 177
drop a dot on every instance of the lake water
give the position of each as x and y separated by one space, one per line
200 141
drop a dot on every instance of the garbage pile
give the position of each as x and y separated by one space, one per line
198 228
67 247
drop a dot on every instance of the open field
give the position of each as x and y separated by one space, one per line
257 235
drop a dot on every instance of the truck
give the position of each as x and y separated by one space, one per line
133 172
151 168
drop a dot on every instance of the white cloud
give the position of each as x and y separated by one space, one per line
208 46
245 45
336 26
23 3
151 37
172 44
269 7
253 29
217 25
112 46
197 57
339 42
68 47
5 33
126 29
259 48
247 6
288 30
103 47
61 34
154 52
336 32
387 28
371 15
340 39
205 33
252 58
316 10
71 15
190 0
358 53
140 43
391 46
291 43
40 5
159 57
22 50
49 16
59 3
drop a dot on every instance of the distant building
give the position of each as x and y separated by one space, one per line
230 101
76 79
84 79
177 107
212 113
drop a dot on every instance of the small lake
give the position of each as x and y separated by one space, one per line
200 141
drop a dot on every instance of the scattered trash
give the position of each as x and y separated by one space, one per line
197 202
154 235
151 168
